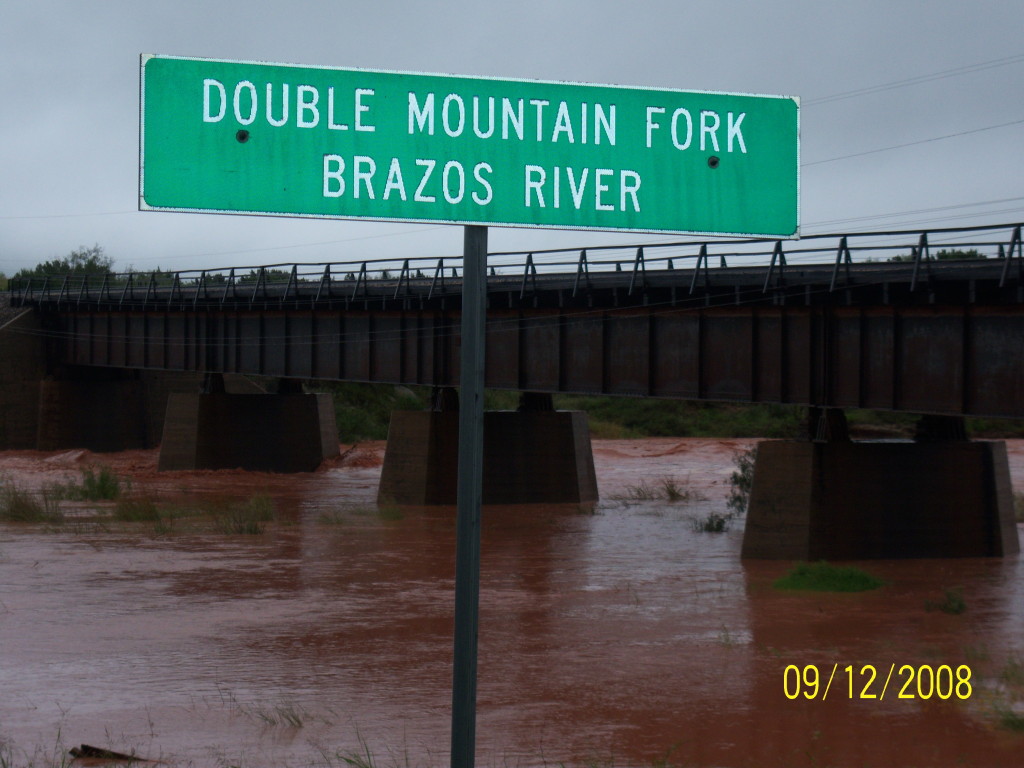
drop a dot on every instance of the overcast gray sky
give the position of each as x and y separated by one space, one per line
952 106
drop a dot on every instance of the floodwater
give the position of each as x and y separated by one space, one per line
618 636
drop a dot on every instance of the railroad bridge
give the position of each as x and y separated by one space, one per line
929 322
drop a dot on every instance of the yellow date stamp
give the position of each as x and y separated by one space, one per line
866 681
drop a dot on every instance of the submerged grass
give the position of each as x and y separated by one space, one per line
638 492
284 714
248 518
824 577
96 485
11 757
953 603
136 509
103 484
712 522
1010 719
1013 673
229 517
20 506
665 489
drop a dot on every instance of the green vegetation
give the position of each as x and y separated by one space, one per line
12 758
230 517
1013 673
638 492
20 506
284 714
678 492
136 509
3 282
246 517
1010 720
713 522
101 485
363 411
945 254
83 261
269 276
823 577
95 485
953 603
1010 694
249 517
666 489
741 481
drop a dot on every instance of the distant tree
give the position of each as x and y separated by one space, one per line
3 282
270 275
946 254
959 254
82 261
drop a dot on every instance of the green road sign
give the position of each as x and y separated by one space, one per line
273 139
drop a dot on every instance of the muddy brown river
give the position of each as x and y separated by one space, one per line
619 636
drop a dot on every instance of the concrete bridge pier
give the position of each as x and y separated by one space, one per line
832 498
533 455
283 432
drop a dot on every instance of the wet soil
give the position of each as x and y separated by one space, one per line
618 635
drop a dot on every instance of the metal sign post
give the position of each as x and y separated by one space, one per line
470 492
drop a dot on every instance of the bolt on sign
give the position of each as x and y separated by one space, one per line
276 139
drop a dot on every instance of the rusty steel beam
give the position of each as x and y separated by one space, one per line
945 359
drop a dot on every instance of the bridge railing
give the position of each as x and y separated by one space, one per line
691 263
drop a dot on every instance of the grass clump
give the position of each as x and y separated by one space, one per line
136 509
1013 673
95 485
713 522
639 492
678 492
666 489
823 577
284 714
248 518
1010 720
953 603
20 506
100 485
388 510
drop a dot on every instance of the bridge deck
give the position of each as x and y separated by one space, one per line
922 335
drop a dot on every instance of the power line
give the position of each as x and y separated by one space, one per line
913 143
933 219
913 212
968 69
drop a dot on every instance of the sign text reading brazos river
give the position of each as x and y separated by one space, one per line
285 140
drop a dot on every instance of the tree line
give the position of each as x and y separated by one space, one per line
93 261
